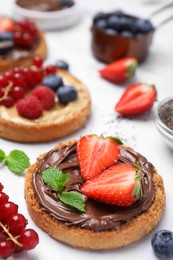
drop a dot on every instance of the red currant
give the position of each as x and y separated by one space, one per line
3 81
16 224
8 209
6 248
3 198
38 61
19 80
1 187
17 92
2 91
50 69
8 101
38 75
27 40
29 239
8 75
28 76
17 38
17 69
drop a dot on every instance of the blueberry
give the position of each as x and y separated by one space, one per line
53 81
6 46
66 94
6 36
61 64
101 23
119 13
143 26
68 3
99 16
6 42
113 22
111 31
127 34
162 244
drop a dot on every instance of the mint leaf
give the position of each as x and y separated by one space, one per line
55 178
2 155
17 161
73 199
115 139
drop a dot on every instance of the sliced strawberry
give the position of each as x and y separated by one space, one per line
119 185
6 24
119 71
96 154
136 99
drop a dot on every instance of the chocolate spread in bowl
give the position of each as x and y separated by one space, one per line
98 216
43 5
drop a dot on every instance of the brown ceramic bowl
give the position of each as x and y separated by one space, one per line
109 47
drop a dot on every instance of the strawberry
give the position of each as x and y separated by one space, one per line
119 71
96 154
29 107
119 185
6 24
45 95
136 99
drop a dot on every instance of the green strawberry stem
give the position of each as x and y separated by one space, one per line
131 69
137 191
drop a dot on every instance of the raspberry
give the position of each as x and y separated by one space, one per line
29 107
45 95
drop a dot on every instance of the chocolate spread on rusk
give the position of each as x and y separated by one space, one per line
44 5
98 216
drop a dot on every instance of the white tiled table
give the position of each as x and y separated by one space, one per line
73 45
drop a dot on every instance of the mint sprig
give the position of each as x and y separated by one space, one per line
73 199
57 180
2 155
17 161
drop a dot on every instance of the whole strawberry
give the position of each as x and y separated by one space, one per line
45 95
137 99
119 71
119 185
29 107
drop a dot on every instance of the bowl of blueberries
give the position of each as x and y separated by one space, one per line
116 35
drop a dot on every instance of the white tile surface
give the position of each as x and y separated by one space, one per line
73 45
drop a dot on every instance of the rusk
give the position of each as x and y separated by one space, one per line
135 230
57 122
40 50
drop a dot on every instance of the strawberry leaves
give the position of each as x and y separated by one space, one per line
137 191
57 180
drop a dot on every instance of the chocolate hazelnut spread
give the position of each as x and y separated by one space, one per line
43 5
98 216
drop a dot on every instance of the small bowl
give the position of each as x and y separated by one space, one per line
109 45
49 20
165 131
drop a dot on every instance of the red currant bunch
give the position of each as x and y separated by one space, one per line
14 84
25 34
14 237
